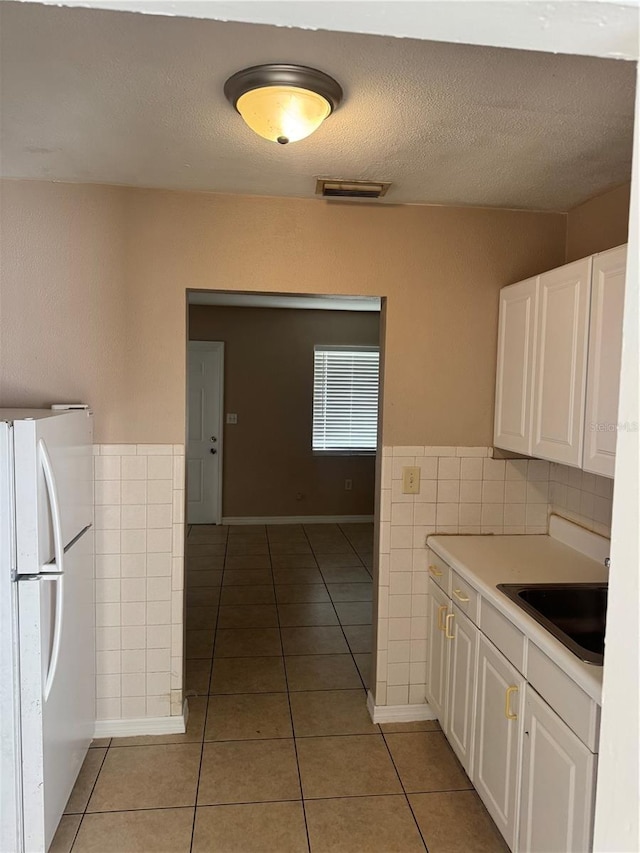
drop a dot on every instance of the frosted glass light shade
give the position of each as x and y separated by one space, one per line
283 113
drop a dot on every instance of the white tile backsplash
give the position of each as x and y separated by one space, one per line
462 490
582 497
139 496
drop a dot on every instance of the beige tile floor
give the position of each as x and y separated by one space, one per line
280 755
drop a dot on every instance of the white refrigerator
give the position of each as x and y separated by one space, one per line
47 622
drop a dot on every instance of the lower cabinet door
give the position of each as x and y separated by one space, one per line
437 650
463 638
558 784
497 738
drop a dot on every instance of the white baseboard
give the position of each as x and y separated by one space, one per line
298 519
144 726
398 713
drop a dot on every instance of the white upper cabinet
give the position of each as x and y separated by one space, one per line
605 352
561 363
514 376
559 354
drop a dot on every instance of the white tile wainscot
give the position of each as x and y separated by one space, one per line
462 490
139 521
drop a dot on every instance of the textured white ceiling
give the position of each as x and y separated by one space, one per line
103 96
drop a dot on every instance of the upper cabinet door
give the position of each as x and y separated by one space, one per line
514 376
561 363
605 352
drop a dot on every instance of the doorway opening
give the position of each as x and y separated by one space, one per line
282 408
280 534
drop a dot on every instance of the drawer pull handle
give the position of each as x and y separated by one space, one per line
442 609
460 596
435 571
448 634
507 703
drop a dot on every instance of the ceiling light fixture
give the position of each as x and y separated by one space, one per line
283 103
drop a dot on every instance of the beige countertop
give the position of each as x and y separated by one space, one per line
486 561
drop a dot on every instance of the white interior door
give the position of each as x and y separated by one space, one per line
204 431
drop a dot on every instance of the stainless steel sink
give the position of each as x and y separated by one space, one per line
575 613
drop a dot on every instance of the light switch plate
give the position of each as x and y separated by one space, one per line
232 419
411 481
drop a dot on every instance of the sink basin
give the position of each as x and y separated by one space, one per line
575 613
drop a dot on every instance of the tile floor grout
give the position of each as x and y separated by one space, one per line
286 681
206 709
210 817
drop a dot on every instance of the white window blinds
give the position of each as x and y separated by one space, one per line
345 398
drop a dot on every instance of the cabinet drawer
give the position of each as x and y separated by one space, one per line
439 571
503 634
464 596
570 702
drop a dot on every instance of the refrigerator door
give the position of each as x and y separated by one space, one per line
10 778
57 686
54 486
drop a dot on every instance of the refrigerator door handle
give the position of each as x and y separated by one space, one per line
57 633
52 491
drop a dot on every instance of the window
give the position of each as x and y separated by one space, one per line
345 399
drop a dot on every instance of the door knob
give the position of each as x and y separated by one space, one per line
213 438
213 450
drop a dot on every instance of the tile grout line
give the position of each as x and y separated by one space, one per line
206 710
357 553
286 681
268 802
341 626
404 790
84 812
380 731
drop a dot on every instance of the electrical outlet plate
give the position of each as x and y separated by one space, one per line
232 418
411 481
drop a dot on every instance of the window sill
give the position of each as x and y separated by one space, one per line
344 452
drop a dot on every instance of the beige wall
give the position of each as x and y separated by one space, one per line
598 224
440 268
269 383
63 317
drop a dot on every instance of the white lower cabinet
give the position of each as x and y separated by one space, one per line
451 671
462 636
534 774
437 663
496 762
558 776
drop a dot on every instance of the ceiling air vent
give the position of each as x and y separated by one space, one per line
332 188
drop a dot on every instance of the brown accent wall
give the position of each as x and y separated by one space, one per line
268 377
125 346
599 223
